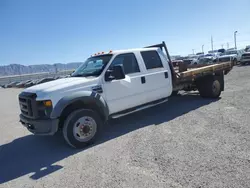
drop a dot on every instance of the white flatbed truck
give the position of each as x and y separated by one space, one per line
111 85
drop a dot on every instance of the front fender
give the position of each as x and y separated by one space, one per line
84 96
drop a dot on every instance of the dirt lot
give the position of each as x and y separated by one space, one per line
186 142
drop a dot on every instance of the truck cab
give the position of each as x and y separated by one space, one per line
106 85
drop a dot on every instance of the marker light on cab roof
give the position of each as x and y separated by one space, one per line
101 53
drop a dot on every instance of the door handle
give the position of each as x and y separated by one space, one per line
166 74
143 80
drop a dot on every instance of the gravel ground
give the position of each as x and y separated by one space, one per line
186 142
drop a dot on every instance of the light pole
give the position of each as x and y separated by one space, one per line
212 43
202 48
193 51
235 46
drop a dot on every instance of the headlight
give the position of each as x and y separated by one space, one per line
44 108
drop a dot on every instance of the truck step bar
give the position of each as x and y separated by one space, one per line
138 108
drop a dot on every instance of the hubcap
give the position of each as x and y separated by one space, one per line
84 128
216 87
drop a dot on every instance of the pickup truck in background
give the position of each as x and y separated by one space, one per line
231 55
111 85
245 58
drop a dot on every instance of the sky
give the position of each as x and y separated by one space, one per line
62 31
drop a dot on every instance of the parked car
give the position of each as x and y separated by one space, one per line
247 49
30 83
214 55
245 58
22 84
176 62
12 84
43 80
191 59
207 60
231 55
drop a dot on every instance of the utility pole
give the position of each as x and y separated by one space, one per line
222 45
202 48
212 43
235 46
193 51
227 45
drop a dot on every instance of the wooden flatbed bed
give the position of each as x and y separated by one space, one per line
205 70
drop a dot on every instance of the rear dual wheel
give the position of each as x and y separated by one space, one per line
209 87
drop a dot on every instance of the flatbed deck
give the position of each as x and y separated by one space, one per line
208 69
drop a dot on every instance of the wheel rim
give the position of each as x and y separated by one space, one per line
84 129
216 87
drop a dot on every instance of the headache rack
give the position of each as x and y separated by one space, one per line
162 46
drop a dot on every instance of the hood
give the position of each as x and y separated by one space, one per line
230 55
71 84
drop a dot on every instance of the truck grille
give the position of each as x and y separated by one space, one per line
246 56
26 101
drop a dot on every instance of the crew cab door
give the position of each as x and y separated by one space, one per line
157 75
128 92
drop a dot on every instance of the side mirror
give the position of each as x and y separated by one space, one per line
117 73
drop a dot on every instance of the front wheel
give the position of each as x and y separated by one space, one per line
174 93
82 127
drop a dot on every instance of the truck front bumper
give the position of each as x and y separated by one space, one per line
40 126
244 61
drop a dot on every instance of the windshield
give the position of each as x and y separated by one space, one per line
92 66
207 55
231 52
205 60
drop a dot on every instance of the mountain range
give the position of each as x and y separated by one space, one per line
17 69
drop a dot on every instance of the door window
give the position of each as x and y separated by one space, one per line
128 61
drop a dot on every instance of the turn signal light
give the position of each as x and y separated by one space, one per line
47 103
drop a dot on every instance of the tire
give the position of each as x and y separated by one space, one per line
235 62
82 127
174 93
209 87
